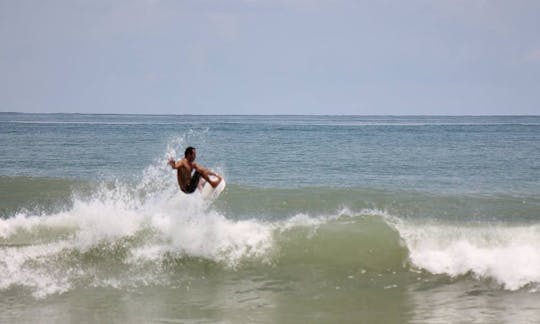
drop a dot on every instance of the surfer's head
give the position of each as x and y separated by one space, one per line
190 154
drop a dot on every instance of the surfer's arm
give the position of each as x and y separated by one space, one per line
172 163
176 164
203 170
205 173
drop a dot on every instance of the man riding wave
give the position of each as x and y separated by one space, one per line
187 182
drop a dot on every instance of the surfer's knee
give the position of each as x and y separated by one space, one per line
216 182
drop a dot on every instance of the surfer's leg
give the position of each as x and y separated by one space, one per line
193 183
202 182
213 183
205 173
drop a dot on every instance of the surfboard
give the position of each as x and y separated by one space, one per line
209 193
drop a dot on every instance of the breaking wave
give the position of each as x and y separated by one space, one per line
125 235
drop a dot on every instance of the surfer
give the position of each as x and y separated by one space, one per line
185 167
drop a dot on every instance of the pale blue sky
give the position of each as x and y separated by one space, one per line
270 57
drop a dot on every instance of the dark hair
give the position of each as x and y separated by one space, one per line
188 151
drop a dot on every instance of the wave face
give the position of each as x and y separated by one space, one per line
115 238
113 242
143 232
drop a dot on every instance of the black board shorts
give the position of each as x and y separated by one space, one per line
194 183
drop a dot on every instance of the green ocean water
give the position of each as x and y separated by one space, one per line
324 219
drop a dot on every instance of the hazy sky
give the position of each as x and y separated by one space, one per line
270 57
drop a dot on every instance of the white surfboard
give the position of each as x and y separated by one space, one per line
209 193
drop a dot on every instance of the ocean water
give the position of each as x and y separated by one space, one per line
325 219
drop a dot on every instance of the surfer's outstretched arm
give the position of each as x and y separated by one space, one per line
176 164
173 163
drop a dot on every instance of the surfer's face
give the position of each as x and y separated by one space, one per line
191 157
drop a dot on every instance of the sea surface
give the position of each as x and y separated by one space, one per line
325 219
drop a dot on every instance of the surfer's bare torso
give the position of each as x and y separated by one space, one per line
183 174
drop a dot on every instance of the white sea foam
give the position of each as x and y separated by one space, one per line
180 225
117 216
150 227
27 266
507 254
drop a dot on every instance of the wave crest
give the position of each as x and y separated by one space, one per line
507 254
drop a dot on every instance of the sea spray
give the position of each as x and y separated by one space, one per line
103 237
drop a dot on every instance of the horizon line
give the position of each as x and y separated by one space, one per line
268 115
